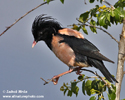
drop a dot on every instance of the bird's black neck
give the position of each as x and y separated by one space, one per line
52 30
48 40
48 43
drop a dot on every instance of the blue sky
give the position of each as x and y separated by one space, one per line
21 66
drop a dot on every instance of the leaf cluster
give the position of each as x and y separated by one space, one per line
96 18
89 87
120 3
70 89
100 17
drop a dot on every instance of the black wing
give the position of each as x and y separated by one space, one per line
84 47
87 52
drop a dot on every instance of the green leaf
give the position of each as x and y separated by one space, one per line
93 29
101 18
73 85
100 1
65 85
88 87
83 87
65 91
93 91
93 11
88 84
91 1
112 20
111 94
81 77
97 6
62 1
100 98
104 88
93 98
61 88
94 84
114 87
69 93
104 19
100 85
76 90
120 3
84 30
118 13
48 1
83 17
75 27
108 16
112 13
123 13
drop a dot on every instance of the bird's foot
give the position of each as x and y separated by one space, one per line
78 71
55 79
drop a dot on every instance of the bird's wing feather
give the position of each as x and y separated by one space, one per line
84 47
71 32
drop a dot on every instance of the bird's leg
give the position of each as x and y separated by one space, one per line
56 78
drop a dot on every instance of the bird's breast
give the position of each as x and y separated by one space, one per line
63 51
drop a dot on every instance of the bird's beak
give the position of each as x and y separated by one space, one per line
34 43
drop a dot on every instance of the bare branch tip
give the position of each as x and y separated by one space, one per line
109 4
23 17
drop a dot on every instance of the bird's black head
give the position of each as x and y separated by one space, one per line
43 27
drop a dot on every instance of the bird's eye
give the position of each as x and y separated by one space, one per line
40 33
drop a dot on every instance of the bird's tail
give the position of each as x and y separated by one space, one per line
99 65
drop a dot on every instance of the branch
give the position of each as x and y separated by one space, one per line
85 1
109 4
95 73
109 34
98 28
46 81
120 64
22 17
75 69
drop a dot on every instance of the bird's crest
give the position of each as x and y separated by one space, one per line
42 21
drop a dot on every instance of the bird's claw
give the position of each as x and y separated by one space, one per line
78 71
55 79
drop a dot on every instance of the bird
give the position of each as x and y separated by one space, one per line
69 45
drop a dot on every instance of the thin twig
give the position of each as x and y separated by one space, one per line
98 28
95 73
85 1
23 17
109 34
46 81
75 69
109 4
